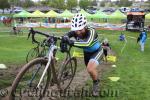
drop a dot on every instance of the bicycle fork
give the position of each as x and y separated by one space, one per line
50 56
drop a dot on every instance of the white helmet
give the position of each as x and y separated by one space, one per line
105 40
78 22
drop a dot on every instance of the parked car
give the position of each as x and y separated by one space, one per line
17 9
124 9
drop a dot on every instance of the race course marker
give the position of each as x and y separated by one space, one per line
114 78
3 66
111 58
114 66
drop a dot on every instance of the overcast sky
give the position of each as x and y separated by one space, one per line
99 0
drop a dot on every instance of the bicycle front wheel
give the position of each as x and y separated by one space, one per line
32 54
66 73
25 84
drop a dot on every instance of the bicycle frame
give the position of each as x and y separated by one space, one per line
50 57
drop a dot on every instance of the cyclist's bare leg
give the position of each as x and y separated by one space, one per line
92 69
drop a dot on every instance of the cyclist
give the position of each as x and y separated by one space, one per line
106 48
86 38
14 30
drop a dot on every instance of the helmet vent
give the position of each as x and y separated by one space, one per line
76 20
75 25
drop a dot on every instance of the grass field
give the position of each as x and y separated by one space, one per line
133 66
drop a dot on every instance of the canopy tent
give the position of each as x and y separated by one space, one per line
52 14
66 14
85 13
147 16
135 20
38 13
117 15
23 14
99 14
135 13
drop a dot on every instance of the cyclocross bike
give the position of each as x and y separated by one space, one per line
16 31
40 73
37 51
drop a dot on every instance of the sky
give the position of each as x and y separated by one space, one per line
99 0
131 0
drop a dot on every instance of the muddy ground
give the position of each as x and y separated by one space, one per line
80 81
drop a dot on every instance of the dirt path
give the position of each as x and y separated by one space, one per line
79 80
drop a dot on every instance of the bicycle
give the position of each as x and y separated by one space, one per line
38 51
16 31
40 72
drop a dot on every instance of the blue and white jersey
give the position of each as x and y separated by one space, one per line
89 42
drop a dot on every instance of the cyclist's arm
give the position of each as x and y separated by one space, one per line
88 41
70 34
85 43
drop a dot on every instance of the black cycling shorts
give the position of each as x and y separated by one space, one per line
97 55
105 52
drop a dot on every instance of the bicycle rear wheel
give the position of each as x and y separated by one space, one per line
66 73
25 84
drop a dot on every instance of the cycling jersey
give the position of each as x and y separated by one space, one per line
89 42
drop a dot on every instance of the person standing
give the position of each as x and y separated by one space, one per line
142 39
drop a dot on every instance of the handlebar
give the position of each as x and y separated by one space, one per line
50 39
33 32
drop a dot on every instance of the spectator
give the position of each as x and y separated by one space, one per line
122 37
142 39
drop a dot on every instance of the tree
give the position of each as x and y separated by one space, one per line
15 2
71 4
60 4
102 4
45 2
4 4
94 3
28 3
85 3
148 1
125 3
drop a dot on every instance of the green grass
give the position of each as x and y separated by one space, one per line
8 15
11 51
14 49
132 68
132 65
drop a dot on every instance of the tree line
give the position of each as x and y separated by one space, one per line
65 4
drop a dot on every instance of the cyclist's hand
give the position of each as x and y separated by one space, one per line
71 42
67 40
